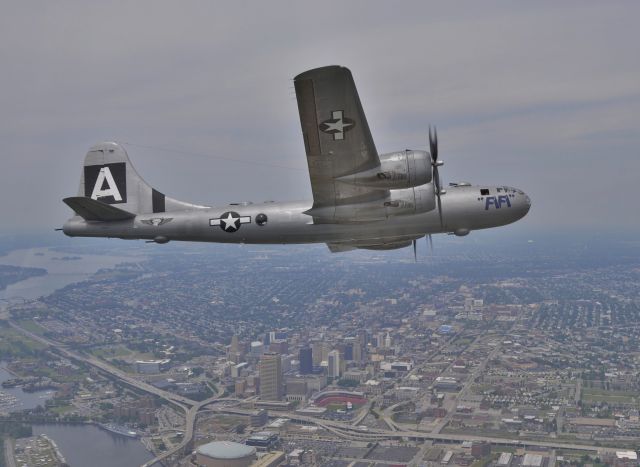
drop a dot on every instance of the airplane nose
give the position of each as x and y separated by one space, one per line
525 205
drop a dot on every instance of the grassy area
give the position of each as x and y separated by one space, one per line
498 448
14 344
158 444
602 395
114 351
32 326
62 409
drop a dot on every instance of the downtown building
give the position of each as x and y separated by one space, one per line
306 360
271 383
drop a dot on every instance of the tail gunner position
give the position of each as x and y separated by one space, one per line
361 199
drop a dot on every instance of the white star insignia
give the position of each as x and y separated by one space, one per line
230 222
338 126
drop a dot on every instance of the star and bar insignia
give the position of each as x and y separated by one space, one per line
230 221
337 125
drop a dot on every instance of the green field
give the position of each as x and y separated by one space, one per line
62 409
602 395
114 351
120 352
32 326
14 344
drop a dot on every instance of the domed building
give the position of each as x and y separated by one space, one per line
225 454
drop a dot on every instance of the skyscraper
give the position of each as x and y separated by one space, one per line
320 352
334 364
270 377
306 360
357 350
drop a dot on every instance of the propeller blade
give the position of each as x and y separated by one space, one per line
430 239
415 252
433 147
433 143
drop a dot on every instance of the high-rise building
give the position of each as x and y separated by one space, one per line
233 347
270 377
257 348
320 353
334 364
306 360
357 350
348 351
363 336
388 341
380 340
279 345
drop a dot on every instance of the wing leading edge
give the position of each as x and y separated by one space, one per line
337 140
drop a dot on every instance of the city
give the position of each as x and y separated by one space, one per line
495 353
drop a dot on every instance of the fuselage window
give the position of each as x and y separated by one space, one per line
484 191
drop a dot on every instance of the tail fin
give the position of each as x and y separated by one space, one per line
109 177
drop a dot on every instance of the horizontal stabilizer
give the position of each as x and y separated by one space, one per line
94 210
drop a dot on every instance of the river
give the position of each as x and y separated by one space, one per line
89 445
60 272
82 445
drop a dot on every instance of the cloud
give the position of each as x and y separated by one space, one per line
539 95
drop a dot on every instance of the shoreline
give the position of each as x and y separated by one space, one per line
139 437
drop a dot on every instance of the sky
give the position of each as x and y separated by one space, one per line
543 96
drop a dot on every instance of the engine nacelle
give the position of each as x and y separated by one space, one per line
397 170
411 200
403 202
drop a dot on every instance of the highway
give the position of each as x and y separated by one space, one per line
344 430
189 406
348 431
9 455
110 369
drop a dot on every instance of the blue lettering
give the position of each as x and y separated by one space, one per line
496 201
503 199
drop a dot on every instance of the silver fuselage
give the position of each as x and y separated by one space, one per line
464 209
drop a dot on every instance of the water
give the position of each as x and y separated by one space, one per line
59 272
82 445
25 400
89 445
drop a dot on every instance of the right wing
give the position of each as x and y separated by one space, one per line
337 140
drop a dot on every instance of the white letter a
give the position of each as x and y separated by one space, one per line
112 188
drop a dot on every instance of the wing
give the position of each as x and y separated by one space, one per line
337 139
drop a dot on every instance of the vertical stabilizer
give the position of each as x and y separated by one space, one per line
109 177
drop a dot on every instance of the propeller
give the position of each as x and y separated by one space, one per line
430 241
433 148
415 251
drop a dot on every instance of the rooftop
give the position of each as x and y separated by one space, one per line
226 450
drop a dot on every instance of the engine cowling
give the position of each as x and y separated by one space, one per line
411 200
397 170
406 201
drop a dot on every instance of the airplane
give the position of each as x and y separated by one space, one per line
361 199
